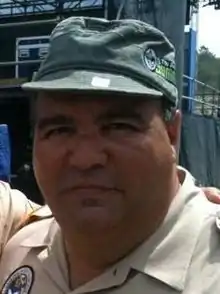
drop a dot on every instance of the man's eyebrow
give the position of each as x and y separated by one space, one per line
55 120
122 112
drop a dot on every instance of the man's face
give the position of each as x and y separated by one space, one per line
102 162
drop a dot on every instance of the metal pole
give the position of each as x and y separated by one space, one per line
106 7
120 9
29 23
13 63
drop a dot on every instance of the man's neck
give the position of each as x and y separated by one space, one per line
91 258
80 272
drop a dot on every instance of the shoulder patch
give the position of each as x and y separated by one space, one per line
19 282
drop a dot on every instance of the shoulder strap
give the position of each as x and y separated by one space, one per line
37 215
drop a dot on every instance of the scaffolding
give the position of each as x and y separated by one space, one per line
13 8
215 3
31 19
196 3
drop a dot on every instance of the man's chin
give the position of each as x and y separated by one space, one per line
95 219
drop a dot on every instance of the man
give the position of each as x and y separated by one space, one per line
126 219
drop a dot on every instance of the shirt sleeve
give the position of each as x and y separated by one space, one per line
14 208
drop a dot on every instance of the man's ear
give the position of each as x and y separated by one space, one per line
174 129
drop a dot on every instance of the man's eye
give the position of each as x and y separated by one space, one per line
121 126
59 131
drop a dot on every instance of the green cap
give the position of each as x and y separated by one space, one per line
127 57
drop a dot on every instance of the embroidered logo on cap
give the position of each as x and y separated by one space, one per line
164 68
150 59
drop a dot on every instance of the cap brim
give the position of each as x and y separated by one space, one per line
81 80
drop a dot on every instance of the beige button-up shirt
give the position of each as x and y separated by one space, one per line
183 256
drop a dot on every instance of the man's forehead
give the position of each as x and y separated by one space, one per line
99 101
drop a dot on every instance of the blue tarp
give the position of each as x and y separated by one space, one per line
200 148
5 154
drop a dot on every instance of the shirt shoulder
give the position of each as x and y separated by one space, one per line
26 252
14 207
203 272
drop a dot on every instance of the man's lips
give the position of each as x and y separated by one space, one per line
91 188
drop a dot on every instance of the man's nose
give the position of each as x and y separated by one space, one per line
87 152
